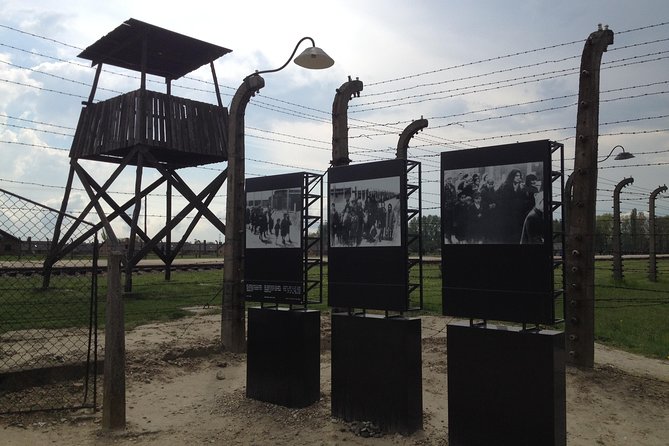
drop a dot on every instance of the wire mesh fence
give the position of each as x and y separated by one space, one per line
48 327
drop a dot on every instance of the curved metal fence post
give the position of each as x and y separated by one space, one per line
617 243
652 258
233 331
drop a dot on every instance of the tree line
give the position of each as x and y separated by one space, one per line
634 233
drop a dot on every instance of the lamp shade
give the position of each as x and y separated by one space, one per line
314 58
619 157
623 156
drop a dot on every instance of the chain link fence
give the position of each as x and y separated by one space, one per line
48 328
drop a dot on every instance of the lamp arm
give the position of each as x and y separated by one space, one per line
257 73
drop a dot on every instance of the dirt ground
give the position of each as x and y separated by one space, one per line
182 391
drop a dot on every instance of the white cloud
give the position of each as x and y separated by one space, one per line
387 44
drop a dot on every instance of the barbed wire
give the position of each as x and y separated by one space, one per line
490 86
506 56
383 124
616 62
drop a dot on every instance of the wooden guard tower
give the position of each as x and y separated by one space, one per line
146 129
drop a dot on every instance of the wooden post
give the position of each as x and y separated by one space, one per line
135 221
168 236
53 249
579 253
113 405
95 85
218 91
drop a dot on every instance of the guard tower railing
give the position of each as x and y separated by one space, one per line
170 126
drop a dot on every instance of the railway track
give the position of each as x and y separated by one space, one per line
151 266
79 270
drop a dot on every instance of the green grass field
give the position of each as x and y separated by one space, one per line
632 315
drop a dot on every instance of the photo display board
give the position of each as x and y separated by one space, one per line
497 260
273 264
367 257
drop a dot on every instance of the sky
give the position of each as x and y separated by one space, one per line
482 73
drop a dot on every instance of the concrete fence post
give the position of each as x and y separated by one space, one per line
113 405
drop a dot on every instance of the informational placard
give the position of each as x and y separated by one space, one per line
497 260
367 257
273 267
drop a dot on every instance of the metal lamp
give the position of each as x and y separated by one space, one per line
619 157
313 58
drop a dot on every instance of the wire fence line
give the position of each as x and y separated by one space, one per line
52 332
47 334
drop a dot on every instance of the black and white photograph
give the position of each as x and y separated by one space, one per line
273 218
501 204
365 213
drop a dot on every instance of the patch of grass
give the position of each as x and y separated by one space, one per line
631 314
154 299
25 305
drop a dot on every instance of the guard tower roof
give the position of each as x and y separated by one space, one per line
170 54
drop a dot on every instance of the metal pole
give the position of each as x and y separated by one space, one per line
579 255
617 244
233 331
652 260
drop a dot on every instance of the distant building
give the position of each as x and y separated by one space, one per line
9 245
105 246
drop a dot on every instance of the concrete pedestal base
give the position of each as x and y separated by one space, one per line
505 386
283 356
376 371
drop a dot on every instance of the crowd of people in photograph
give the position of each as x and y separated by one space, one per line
477 210
362 223
261 221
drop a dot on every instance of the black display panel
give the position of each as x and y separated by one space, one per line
273 264
367 257
496 233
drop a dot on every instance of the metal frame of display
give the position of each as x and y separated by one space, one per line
414 195
480 284
312 183
558 235
530 382
412 269
310 276
285 369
